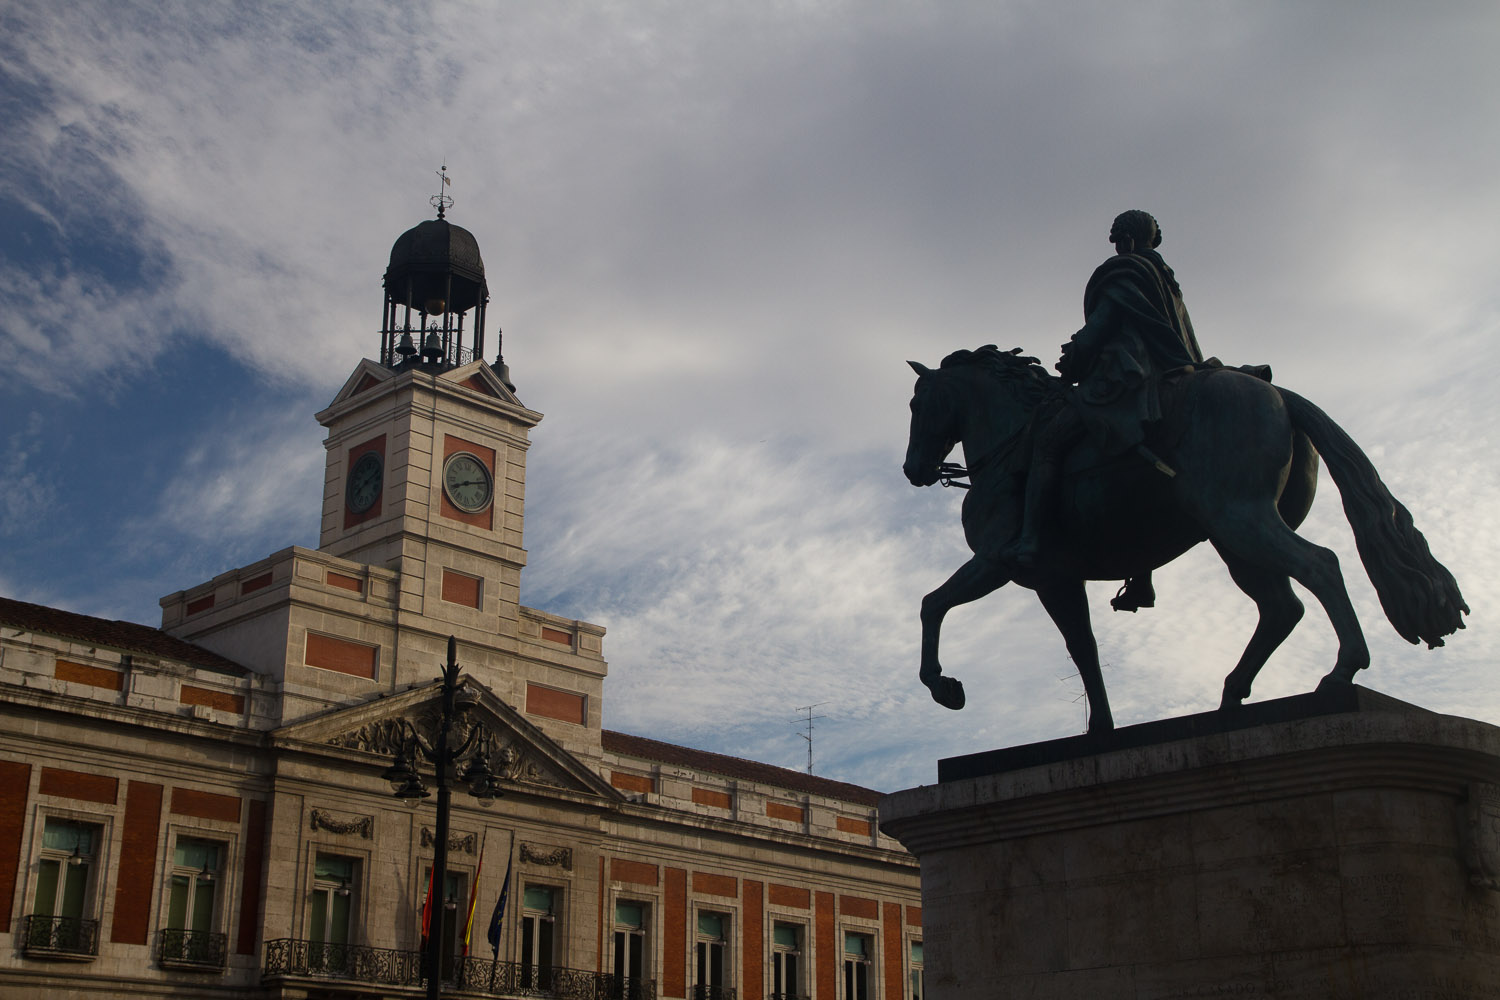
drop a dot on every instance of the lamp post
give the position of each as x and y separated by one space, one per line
408 785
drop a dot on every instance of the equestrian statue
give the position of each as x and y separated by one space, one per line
1139 451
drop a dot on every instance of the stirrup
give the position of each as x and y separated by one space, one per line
1127 601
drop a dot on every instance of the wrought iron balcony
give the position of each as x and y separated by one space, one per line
787 996
389 967
44 936
183 949
714 993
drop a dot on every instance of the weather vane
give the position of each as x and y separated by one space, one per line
441 201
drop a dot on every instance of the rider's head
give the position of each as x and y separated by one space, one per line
1134 231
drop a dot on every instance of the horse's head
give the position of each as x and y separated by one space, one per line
981 398
935 425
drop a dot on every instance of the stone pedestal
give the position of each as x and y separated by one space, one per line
1341 844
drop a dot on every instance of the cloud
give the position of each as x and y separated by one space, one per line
713 234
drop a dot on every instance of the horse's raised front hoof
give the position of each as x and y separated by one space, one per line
948 692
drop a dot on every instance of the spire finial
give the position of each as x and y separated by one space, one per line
441 201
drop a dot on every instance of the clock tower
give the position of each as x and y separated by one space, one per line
421 533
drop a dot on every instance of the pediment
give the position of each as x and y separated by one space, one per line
366 376
519 753
481 378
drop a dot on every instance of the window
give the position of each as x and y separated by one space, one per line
786 961
328 922
857 951
538 920
709 964
59 920
630 950
192 905
918 990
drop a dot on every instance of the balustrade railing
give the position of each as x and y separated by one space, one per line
714 993
185 949
63 937
389 967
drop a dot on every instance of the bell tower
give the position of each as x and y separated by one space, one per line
426 447
421 536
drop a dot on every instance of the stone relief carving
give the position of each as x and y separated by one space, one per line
511 759
560 857
466 842
1482 835
362 825
383 736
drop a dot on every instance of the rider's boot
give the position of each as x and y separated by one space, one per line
1137 593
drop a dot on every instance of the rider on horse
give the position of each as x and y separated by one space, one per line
1135 334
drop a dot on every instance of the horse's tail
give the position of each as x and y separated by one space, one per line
1419 595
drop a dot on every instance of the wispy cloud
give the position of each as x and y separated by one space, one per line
713 234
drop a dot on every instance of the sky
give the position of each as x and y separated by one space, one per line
714 233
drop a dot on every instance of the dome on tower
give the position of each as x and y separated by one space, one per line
436 261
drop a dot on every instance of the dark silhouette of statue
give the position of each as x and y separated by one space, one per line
1136 333
1245 459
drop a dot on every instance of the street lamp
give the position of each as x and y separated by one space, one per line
407 785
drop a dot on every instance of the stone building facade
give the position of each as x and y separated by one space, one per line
206 809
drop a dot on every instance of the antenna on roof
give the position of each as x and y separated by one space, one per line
808 736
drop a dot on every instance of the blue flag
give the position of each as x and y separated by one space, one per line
498 917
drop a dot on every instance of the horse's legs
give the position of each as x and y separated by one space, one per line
1280 611
1262 539
1068 604
971 581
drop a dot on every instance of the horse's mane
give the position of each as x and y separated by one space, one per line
1025 374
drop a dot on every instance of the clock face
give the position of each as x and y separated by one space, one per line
365 480
467 483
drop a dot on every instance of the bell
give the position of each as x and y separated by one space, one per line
432 348
406 348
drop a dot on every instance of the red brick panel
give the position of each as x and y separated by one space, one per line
859 827
205 805
634 872
752 944
15 783
255 863
460 588
890 930
716 885
201 604
829 953
787 895
914 916
377 445
558 636
478 385
780 810
365 383
224 701
858 906
631 782
328 653
553 704
343 582
674 935
80 673
710 797
255 583
136 876
77 785
486 518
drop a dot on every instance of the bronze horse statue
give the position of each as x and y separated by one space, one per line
1245 454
